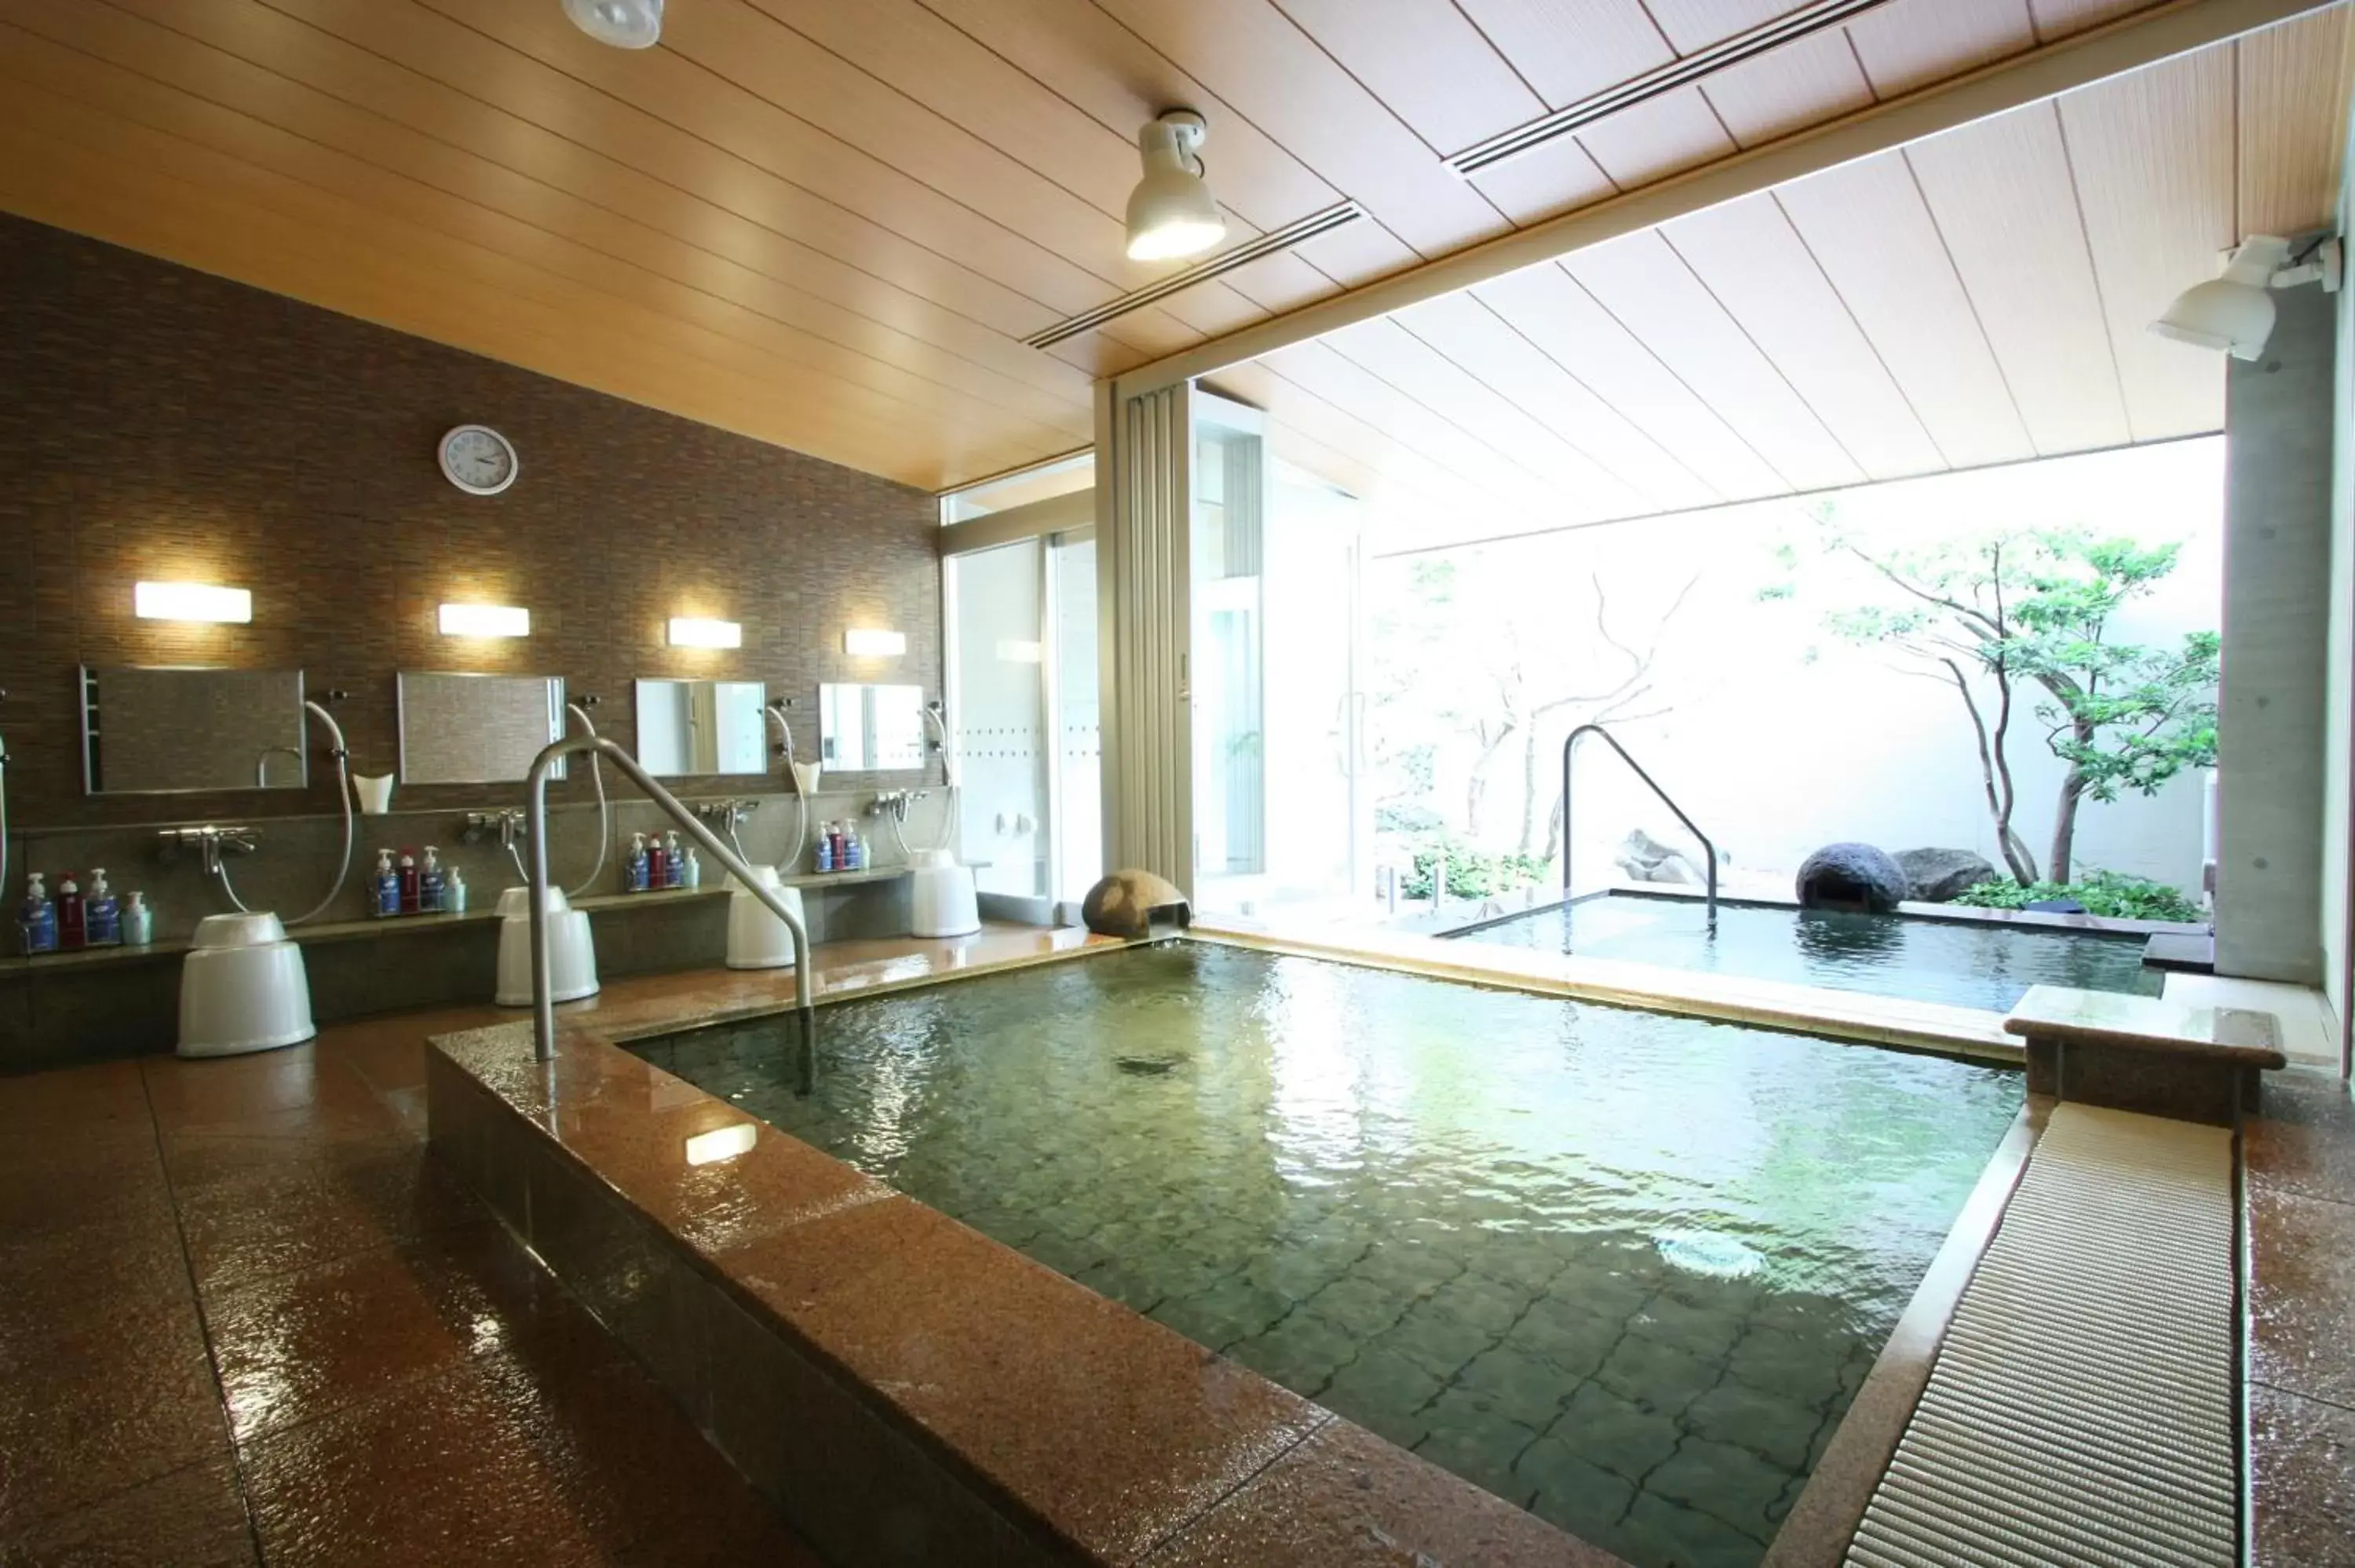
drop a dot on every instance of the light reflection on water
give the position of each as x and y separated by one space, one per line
1624 1269
1963 964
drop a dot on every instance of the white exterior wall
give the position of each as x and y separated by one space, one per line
1781 736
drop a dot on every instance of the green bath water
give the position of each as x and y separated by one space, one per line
1625 1270
1964 964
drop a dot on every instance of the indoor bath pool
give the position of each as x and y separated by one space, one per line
1624 1269
1981 964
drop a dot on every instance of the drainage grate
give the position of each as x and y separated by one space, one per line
2081 1409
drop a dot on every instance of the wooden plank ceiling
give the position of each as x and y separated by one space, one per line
830 225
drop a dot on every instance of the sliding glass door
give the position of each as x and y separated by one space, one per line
1279 818
1023 714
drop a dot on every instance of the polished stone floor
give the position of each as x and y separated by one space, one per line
2299 1192
245 1319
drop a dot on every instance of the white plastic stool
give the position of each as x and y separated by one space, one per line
757 940
944 899
242 988
571 952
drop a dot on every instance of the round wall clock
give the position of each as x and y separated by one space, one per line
478 460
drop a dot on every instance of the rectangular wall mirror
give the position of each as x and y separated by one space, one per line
476 729
688 728
169 731
871 729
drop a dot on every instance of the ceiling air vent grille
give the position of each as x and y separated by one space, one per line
1266 245
1677 73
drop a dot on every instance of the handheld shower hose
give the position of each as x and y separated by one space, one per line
4 805
948 780
342 757
604 812
776 712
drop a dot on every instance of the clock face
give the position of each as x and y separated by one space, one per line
478 460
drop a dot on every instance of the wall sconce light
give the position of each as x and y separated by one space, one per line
867 642
191 602
485 621
693 631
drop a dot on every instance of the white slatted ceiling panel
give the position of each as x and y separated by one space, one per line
1549 307
2153 153
1909 43
1388 350
1643 282
1755 266
1566 49
1482 341
2291 77
2005 203
1868 228
1981 297
1787 88
1322 370
1653 140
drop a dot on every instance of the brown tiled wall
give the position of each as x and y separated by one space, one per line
157 422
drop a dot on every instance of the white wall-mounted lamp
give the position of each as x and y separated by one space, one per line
2235 311
624 24
485 621
693 631
870 643
191 602
1170 212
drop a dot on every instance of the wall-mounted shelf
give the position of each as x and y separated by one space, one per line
818 882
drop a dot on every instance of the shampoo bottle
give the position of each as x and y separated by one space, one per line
657 864
825 857
432 885
634 870
37 917
674 861
387 885
693 875
73 919
408 888
138 921
101 914
453 894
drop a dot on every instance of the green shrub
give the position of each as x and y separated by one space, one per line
2106 893
1470 873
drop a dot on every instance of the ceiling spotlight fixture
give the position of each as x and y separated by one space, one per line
624 24
2235 311
1171 213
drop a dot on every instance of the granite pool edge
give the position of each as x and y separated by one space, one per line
996 1432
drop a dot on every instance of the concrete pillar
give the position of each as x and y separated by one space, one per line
2277 503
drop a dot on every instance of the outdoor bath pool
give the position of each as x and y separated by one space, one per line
1624 1269
1986 965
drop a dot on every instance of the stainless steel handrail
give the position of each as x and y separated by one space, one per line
1569 748
543 1005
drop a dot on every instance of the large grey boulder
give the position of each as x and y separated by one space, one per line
1646 858
1851 876
1936 875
